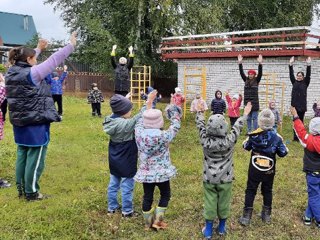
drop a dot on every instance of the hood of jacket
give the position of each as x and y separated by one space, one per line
217 126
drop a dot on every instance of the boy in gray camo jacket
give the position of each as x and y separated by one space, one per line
218 146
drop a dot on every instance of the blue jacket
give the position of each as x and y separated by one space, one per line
265 143
56 85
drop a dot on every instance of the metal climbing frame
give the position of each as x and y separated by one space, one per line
269 90
140 79
194 82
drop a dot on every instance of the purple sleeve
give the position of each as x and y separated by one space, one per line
39 72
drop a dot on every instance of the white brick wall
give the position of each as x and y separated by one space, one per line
223 74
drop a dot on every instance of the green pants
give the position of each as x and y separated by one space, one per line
29 167
217 200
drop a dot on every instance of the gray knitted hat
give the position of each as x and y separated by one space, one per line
120 105
314 126
266 119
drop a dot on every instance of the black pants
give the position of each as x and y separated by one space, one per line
123 93
96 109
233 120
57 98
165 194
301 117
254 179
4 107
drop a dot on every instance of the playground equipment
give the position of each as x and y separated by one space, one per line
194 82
140 79
270 89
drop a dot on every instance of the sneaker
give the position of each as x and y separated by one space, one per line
111 212
130 215
306 220
318 224
35 196
4 183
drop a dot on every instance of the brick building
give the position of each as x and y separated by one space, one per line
218 54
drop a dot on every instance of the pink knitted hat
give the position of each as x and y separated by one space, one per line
152 118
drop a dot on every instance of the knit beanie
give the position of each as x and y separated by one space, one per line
314 126
54 74
152 118
177 90
266 119
123 60
235 96
251 71
120 105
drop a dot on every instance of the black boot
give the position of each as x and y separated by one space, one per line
266 214
246 216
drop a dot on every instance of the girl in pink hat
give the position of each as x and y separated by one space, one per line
155 167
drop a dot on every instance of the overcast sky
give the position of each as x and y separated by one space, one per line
48 22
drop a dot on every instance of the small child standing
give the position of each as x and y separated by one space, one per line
198 104
264 143
95 98
218 105
233 107
178 98
316 109
123 152
218 146
277 117
155 167
311 164
3 183
144 96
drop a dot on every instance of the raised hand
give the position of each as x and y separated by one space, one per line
259 59
247 109
42 44
73 38
130 49
114 47
293 111
240 58
65 68
308 60
291 61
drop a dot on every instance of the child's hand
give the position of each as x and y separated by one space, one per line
240 58
152 96
293 111
130 49
42 44
114 47
247 109
65 68
128 95
259 59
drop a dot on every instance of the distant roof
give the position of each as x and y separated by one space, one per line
16 29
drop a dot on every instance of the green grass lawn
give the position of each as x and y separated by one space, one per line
76 176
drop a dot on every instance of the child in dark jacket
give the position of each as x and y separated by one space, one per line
311 164
123 152
218 147
264 144
218 105
95 98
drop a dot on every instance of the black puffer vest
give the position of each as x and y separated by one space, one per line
28 104
122 82
251 93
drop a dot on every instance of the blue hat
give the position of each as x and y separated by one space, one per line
120 105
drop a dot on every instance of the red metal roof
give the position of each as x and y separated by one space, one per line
295 41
